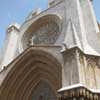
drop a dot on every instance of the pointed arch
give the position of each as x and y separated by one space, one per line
32 67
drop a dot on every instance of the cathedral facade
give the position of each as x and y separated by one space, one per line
54 54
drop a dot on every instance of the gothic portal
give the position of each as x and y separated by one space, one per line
54 54
43 92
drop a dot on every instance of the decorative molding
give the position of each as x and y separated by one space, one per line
78 92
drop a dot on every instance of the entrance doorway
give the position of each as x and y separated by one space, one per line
43 91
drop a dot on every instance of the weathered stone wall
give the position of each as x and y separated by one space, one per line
70 73
89 70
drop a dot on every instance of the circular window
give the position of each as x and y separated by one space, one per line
44 31
46 34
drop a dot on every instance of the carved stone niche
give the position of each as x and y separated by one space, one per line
89 59
94 60
98 62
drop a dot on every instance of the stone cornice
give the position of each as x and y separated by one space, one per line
79 91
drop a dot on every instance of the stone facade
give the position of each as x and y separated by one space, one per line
51 55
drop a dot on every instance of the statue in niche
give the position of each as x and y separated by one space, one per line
31 40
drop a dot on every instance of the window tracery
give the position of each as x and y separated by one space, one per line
46 34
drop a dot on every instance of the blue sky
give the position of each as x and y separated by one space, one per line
16 11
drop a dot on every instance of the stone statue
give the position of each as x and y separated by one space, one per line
31 41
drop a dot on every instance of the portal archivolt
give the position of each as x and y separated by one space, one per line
35 70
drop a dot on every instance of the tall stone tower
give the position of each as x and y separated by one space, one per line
54 54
